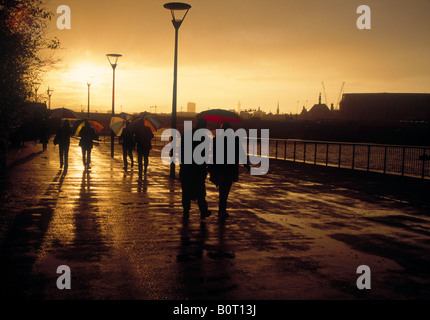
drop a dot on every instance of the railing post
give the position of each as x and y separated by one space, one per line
353 156
424 162
304 152
276 153
285 150
385 159
316 149
295 146
403 161
326 156
340 152
368 157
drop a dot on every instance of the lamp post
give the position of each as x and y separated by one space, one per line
49 92
88 84
113 59
181 9
36 87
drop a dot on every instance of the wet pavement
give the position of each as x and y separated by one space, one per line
299 232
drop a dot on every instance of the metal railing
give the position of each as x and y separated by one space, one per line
389 159
402 160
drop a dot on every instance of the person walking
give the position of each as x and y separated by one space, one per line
143 137
127 139
224 174
87 135
193 179
44 134
63 140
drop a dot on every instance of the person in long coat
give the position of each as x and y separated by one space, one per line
63 140
223 175
143 137
87 135
128 142
44 134
193 180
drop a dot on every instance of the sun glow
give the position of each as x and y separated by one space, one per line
85 72
278 52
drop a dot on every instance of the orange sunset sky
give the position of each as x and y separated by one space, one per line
256 52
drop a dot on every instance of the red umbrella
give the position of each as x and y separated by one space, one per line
93 124
219 116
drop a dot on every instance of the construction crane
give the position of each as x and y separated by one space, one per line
325 95
340 96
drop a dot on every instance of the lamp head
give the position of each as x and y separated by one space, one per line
179 11
113 59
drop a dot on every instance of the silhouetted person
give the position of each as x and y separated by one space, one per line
143 137
193 179
127 139
63 140
224 174
87 135
44 135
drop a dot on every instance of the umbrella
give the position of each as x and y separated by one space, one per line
117 124
146 119
80 124
219 116
125 116
63 113
141 127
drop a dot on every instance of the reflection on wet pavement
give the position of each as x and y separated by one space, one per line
299 232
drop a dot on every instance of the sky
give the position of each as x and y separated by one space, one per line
256 53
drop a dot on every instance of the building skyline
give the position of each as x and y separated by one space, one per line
352 106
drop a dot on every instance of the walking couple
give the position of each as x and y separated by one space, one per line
193 177
87 135
140 136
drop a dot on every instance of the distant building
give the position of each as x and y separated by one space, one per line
304 112
245 114
191 107
385 106
259 113
319 111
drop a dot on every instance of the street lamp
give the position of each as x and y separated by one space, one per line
36 87
89 84
113 59
179 11
49 92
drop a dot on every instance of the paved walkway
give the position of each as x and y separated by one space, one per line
299 232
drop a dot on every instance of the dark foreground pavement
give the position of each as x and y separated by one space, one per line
299 232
